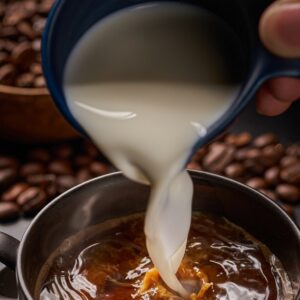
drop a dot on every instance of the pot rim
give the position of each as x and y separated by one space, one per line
218 179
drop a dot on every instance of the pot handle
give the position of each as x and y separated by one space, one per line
8 250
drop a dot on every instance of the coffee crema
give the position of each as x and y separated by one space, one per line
110 261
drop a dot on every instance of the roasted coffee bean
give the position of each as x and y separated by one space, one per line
65 182
193 165
26 29
271 155
257 183
293 150
291 174
7 74
247 153
3 58
8 211
42 180
289 209
235 170
83 160
98 168
269 193
287 161
36 69
8 162
199 155
32 199
272 175
14 191
265 140
288 192
7 177
39 25
8 32
32 168
25 80
60 167
218 157
64 151
239 140
90 149
39 82
37 45
39 154
253 166
83 175
23 55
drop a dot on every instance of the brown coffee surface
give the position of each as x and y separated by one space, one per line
221 262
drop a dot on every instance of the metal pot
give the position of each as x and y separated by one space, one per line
114 196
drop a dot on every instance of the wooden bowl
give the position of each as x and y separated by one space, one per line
29 115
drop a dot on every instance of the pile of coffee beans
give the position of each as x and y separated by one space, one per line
22 24
30 178
262 162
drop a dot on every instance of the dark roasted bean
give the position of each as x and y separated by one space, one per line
272 175
90 149
65 182
83 175
269 193
265 140
8 162
218 157
41 180
193 165
235 170
60 167
288 192
23 55
32 199
238 140
32 168
291 174
271 155
63 151
287 161
7 177
98 168
39 154
8 211
14 191
257 183
82 160
199 155
289 209
7 74
293 150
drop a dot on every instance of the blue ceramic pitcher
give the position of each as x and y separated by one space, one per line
70 19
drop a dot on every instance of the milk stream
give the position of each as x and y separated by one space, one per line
146 83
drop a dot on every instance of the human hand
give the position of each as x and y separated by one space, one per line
279 30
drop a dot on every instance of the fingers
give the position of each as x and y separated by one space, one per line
280 28
285 89
267 104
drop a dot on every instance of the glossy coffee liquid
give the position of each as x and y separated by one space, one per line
146 83
112 262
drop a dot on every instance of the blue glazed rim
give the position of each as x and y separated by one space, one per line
263 67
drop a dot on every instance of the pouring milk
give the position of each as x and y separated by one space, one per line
145 83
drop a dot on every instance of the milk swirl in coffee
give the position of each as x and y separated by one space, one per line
146 83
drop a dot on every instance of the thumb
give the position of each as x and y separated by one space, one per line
280 28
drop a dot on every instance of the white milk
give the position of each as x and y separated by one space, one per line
145 84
